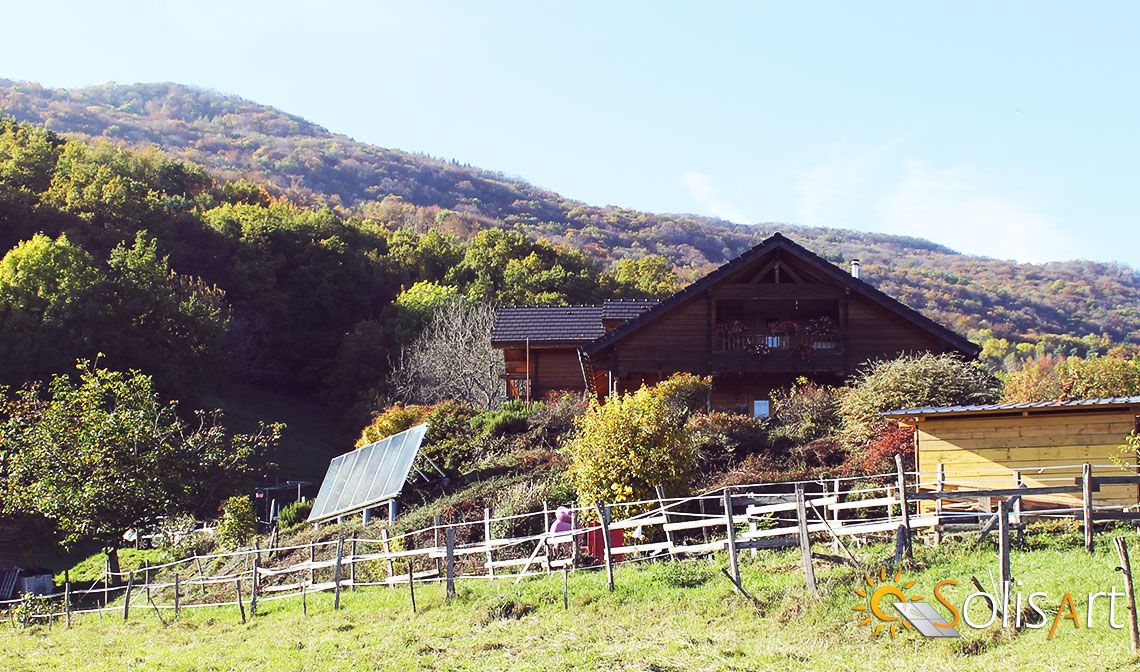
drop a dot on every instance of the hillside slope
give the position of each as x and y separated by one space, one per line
238 138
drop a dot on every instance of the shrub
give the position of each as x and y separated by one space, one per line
805 411
179 535
392 420
822 452
627 446
238 523
294 514
722 439
556 417
511 418
449 436
907 382
450 440
685 393
892 439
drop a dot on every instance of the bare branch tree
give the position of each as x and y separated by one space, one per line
452 359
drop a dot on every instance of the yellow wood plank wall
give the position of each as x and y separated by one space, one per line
982 452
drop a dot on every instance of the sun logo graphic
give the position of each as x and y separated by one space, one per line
874 608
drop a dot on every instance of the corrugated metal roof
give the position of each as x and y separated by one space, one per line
1028 406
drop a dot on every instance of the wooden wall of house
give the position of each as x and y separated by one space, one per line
738 391
676 341
874 332
556 370
986 451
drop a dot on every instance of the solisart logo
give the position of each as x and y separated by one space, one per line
911 612
887 606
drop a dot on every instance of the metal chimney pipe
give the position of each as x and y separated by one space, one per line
854 268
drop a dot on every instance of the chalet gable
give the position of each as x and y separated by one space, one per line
775 268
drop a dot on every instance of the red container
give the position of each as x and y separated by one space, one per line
595 544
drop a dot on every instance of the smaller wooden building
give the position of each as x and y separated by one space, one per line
1046 443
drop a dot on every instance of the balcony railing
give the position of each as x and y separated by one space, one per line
760 344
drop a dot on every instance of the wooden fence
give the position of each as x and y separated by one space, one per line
745 518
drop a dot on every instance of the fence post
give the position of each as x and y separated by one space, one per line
241 606
909 550
127 597
604 521
805 540
449 539
67 596
1126 569
1003 546
177 596
106 582
704 530
253 586
487 540
1087 505
939 486
387 553
565 586
336 573
412 583
661 501
731 529
146 578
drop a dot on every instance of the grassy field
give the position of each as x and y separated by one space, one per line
663 616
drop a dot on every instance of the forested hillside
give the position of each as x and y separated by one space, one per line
235 138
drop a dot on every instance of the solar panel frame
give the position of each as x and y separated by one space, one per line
368 475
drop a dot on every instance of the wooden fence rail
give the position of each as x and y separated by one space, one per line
777 515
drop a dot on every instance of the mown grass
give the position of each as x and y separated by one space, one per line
661 617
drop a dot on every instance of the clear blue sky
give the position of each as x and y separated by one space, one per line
1005 129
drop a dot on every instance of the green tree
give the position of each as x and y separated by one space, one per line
649 277
102 453
1048 378
171 326
48 305
625 447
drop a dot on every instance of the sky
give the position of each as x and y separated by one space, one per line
1006 129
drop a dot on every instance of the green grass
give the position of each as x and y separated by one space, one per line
661 617
92 567
312 436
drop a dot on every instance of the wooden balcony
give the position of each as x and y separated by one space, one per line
777 353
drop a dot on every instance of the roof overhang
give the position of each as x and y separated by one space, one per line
775 243
1080 406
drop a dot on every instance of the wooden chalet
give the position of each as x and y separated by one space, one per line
775 313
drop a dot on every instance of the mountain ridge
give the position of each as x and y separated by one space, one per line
240 139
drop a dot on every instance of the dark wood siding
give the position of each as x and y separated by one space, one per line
677 341
556 370
876 333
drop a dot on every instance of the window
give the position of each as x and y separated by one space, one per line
760 408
